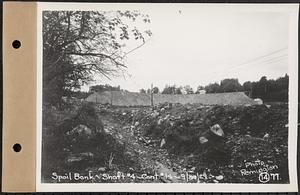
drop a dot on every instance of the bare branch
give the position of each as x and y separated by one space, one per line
98 55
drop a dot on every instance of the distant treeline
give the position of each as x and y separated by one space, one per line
106 87
266 89
269 90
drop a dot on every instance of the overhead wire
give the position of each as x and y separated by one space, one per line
256 61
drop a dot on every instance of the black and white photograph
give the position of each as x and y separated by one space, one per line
168 93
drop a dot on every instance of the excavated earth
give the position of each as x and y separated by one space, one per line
191 143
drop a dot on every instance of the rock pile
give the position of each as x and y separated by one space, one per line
78 142
218 137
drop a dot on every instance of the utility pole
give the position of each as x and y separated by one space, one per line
151 93
250 90
111 97
265 88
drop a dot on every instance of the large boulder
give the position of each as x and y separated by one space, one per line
213 145
258 101
217 130
80 130
87 116
79 157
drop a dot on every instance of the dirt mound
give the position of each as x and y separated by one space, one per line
121 98
250 134
233 98
77 143
222 143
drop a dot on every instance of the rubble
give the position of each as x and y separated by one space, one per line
81 140
214 141
213 135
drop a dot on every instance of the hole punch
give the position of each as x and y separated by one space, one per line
16 44
17 147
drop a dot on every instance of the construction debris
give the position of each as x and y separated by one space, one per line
214 136
214 141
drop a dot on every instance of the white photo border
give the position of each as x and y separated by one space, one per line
292 9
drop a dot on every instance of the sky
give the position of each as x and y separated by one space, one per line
194 46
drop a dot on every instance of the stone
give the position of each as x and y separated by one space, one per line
167 117
132 127
266 136
204 175
81 130
154 114
202 140
79 157
102 169
219 177
162 143
131 169
160 121
217 130
120 136
268 106
106 130
258 101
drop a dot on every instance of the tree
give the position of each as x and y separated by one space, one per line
178 90
199 88
188 89
260 88
230 85
168 90
172 90
142 91
269 90
212 88
247 86
106 87
79 44
155 90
